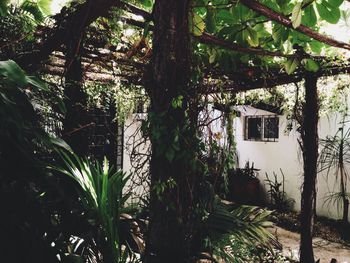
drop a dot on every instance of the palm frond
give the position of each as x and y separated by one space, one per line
32 9
101 192
244 224
335 199
333 159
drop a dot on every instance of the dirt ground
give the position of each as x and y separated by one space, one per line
323 249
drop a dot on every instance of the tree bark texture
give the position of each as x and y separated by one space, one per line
310 156
343 179
172 177
76 123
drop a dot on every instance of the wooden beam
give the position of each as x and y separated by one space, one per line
54 38
210 39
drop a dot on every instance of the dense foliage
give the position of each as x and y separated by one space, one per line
120 59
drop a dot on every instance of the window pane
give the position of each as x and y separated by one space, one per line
254 129
271 128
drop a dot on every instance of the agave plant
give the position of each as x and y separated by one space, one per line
334 158
101 192
278 197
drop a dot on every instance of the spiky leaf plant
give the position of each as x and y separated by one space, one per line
101 192
334 158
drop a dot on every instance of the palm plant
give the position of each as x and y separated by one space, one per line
28 195
36 11
334 157
232 230
101 192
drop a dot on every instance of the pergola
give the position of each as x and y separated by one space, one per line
105 65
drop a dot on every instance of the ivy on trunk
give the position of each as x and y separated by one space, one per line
173 163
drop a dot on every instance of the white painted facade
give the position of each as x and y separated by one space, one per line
268 156
285 154
133 141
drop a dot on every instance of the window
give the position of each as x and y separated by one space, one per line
261 128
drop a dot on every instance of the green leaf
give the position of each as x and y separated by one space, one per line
170 154
197 25
147 3
311 65
309 18
273 5
252 37
227 31
296 15
12 73
212 58
328 12
291 65
225 16
3 7
279 33
335 3
61 106
146 30
33 9
61 144
45 6
210 22
37 83
177 102
316 46
245 58
241 13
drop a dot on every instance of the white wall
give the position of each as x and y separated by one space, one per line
285 154
132 141
270 157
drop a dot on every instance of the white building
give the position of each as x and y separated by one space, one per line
263 139
272 150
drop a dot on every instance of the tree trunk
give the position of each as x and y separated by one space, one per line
345 219
76 124
172 136
310 156
343 180
345 211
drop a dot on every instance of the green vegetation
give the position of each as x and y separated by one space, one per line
278 197
88 68
334 159
101 195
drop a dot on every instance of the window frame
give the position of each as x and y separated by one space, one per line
262 137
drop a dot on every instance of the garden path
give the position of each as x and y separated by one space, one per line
323 249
